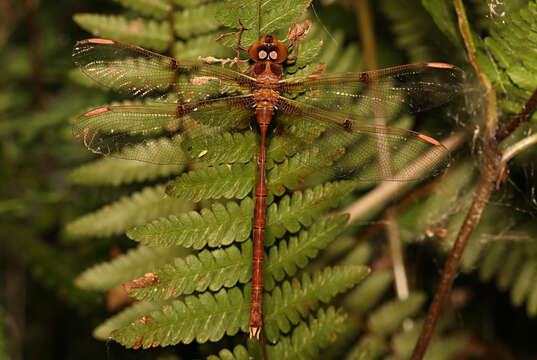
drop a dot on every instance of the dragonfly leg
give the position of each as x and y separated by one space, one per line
239 46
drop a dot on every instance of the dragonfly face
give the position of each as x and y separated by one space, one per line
267 53
323 121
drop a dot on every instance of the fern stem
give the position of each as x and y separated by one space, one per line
490 95
519 118
367 36
489 173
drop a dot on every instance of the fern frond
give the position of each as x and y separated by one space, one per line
233 181
515 266
126 267
441 348
207 317
391 315
211 270
307 61
158 9
114 171
292 300
276 14
227 267
138 208
302 208
146 33
291 173
202 45
305 342
220 225
515 69
413 28
369 292
339 58
197 20
444 17
297 252
225 148
124 318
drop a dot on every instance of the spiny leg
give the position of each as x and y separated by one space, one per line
239 46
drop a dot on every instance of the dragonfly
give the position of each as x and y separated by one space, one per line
326 117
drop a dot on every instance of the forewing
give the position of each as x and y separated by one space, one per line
135 132
139 72
358 150
379 93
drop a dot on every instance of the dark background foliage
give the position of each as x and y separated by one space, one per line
44 315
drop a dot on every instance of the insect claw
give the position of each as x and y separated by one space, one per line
254 332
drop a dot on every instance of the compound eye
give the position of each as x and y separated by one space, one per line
262 54
273 55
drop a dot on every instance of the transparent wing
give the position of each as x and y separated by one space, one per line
139 72
357 150
138 132
379 93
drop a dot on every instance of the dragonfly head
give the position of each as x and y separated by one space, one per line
268 48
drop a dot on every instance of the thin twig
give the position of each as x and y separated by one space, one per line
484 189
519 118
518 147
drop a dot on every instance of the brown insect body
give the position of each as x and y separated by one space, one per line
267 54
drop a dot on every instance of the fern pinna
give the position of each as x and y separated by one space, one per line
205 295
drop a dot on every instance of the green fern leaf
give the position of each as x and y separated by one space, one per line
444 347
291 173
158 9
275 15
515 68
126 267
203 318
201 46
492 260
391 315
303 208
369 292
293 300
444 16
310 49
239 353
138 208
145 33
124 318
226 267
225 148
207 270
413 28
114 171
531 305
523 283
298 250
218 226
305 342
197 20
233 181
208 317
